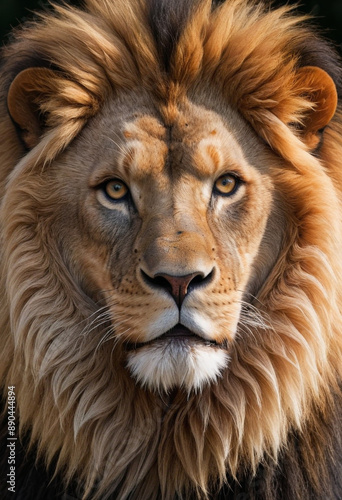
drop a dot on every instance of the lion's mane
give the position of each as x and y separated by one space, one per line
270 427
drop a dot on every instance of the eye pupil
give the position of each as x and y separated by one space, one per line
225 182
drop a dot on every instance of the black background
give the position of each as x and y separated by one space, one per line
328 15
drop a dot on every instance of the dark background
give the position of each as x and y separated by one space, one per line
328 14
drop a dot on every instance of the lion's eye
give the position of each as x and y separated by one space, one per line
226 184
115 189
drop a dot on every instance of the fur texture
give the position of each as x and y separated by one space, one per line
166 98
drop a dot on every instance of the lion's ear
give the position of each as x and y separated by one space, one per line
41 98
317 87
25 98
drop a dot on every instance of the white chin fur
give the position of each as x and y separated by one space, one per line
166 365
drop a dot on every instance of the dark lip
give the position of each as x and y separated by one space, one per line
178 333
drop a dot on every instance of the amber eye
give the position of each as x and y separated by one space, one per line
226 184
115 189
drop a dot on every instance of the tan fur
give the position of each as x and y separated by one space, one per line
72 295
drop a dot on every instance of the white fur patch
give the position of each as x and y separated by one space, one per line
197 322
165 365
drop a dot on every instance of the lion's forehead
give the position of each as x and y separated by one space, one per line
197 143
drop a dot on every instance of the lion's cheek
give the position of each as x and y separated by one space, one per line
141 318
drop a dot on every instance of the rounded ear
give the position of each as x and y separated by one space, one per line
23 100
39 98
317 87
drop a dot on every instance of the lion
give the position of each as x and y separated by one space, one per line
171 241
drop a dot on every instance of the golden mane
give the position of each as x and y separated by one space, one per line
279 399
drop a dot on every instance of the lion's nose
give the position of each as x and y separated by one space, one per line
178 286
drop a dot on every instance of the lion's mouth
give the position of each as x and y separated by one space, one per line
179 333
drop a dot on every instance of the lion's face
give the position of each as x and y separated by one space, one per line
172 219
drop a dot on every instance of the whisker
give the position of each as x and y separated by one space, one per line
253 317
111 334
121 147
95 323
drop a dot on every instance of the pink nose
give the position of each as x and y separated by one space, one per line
177 286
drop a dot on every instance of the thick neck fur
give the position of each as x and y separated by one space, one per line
275 376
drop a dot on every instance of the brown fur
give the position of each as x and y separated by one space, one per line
169 96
